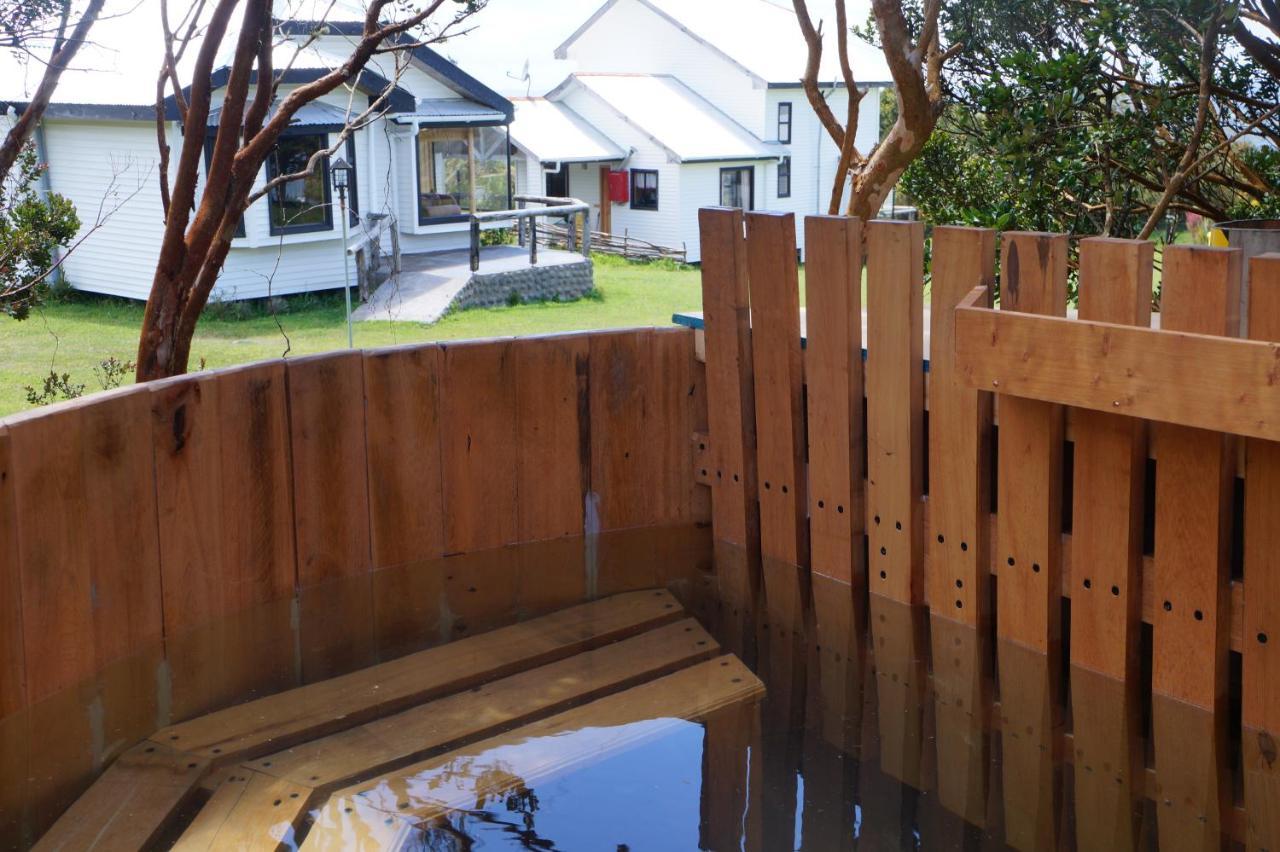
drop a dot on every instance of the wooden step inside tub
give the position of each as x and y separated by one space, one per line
252 776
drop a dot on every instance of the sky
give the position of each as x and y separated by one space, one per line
494 46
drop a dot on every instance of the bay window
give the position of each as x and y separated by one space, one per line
462 170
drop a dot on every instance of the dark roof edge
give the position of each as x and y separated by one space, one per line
424 55
837 84
98 112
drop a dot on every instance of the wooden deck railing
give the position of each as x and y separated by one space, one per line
1050 556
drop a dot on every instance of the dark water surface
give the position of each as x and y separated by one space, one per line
880 728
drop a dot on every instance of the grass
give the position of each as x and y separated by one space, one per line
74 335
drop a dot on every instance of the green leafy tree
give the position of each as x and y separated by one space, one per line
1097 118
33 226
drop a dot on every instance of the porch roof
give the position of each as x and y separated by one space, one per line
451 111
553 133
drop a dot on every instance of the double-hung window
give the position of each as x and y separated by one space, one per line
784 177
644 189
301 205
784 122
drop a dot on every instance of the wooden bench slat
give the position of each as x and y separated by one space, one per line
278 721
617 722
133 801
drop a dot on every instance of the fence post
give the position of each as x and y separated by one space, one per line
586 235
475 244
533 240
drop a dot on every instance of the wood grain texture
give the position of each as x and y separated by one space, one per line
91 598
1106 596
478 446
226 548
277 721
1195 472
623 442
331 513
131 804
776 362
1029 519
895 409
833 381
326 408
962 692
957 538
381 745
13 669
730 383
1261 660
673 390
552 415
247 811
402 448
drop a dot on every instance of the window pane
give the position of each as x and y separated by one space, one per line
492 180
444 171
735 187
644 189
299 203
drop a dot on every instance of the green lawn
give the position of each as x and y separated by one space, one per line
74 336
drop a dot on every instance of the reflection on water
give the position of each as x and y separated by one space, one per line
881 729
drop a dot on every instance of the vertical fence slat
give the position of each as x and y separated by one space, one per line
331 512
957 540
775 312
1033 279
735 512
959 436
895 408
1110 464
833 381
1195 472
1261 664
402 433
833 391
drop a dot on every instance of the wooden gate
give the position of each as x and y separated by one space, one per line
1093 499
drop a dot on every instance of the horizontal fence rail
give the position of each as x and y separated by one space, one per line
1089 502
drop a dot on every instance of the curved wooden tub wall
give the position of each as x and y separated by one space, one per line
172 548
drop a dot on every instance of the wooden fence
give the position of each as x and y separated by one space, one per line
173 548
1090 502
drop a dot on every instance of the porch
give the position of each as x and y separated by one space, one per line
430 284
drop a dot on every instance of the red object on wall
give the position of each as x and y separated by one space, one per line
619 186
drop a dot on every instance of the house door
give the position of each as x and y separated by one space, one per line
737 187
606 205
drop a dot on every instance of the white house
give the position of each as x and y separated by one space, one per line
689 104
439 152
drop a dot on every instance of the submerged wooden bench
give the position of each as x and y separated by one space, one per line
268 762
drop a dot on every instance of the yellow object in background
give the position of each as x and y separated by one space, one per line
1218 237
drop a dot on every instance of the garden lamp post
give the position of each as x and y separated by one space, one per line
341 171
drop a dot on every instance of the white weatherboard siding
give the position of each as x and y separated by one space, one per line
631 38
700 187
662 226
120 257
